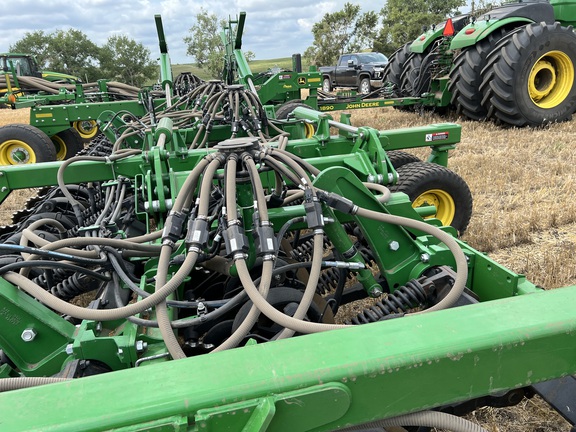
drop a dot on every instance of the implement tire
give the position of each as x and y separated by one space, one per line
466 77
87 129
286 109
400 158
24 144
431 184
67 143
529 79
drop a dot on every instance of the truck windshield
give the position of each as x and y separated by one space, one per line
372 58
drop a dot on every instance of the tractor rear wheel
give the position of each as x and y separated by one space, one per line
24 144
411 74
466 77
395 66
67 142
530 79
431 184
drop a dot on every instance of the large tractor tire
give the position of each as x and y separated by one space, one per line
529 79
395 66
24 144
431 184
67 144
411 74
466 77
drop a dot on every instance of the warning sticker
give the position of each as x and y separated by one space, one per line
438 136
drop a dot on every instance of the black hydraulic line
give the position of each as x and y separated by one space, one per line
51 264
51 254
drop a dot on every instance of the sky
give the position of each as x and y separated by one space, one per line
273 28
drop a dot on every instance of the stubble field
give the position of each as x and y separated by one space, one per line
523 182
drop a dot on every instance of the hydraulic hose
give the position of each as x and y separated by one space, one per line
7 384
106 314
435 419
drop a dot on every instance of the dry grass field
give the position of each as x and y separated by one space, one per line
523 182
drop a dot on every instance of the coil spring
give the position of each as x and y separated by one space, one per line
328 280
400 301
303 252
58 275
75 285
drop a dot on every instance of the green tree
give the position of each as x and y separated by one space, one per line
339 32
72 52
127 61
36 43
403 20
204 43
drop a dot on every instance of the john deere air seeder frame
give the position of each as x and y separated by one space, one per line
194 269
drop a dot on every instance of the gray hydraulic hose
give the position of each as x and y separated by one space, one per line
7 384
162 317
44 221
104 314
461 262
309 327
434 419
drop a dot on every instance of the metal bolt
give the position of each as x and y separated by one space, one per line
69 349
28 335
376 292
394 245
425 257
141 346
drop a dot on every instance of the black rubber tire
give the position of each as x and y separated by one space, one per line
395 66
67 143
411 72
285 109
22 144
418 179
327 85
400 158
364 86
506 77
466 77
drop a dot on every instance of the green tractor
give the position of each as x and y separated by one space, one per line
514 64
27 65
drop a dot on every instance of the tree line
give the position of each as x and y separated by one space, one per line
72 52
347 30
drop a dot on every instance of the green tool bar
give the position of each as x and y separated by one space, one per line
377 370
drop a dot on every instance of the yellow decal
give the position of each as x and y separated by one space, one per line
287 86
301 81
313 80
47 115
327 108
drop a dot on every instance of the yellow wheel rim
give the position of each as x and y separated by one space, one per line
445 207
16 152
86 128
61 148
551 79
308 130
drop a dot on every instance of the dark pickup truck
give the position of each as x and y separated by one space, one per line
362 71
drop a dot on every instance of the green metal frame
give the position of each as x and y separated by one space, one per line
324 381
